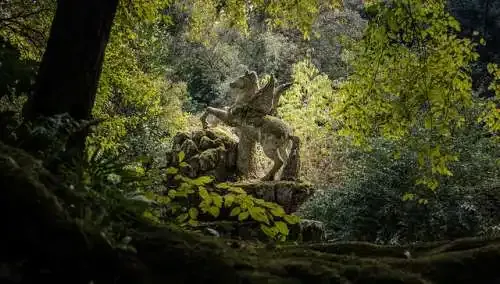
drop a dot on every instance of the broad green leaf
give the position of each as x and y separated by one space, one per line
272 205
291 219
259 201
214 211
269 231
172 193
204 193
203 180
237 190
216 199
258 214
183 165
282 227
236 211
193 213
182 218
204 206
408 196
223 185
228 200
243 216
181 156
278 211
172 171
163 199
247 202
423 201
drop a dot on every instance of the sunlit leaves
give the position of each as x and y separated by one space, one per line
291 219
190 199
308 98
193 213
236 14
411 72
299 14
306 107
243 216
235 212
130 97
491 114
203 17
26 25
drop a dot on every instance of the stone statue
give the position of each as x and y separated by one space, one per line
255 101
250 114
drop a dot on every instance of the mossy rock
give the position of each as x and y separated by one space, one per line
289 194
208 152
307 231
189 148
207 143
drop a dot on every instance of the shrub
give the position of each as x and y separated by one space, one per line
188 201
310 97
381 202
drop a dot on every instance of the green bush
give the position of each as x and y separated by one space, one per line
187 201
381 202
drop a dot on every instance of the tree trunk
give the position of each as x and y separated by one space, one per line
71 65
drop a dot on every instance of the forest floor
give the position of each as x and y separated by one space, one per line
41 242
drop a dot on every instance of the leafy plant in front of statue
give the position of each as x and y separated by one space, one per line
190 199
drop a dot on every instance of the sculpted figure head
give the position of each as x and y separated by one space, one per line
246 82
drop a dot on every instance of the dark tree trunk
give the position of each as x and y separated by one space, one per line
71 65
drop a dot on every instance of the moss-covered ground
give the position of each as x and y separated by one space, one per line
40 242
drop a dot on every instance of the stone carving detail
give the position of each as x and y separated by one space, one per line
251 115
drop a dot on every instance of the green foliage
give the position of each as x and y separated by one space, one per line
204 15
25 24
50 134
411 70
331 30
308 98
491 115
189 200
204 69
142 108
380 201
112 186
16 74
268 52
107 192
476 18
305 106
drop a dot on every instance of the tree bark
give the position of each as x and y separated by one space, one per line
71 65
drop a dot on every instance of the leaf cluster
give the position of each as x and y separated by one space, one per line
411 79
191 200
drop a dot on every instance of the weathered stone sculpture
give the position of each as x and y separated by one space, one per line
254 101
251 115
